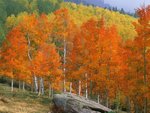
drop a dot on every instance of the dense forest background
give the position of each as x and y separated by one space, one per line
60 46
15 8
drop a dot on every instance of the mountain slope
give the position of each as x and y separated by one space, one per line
90 2
81 13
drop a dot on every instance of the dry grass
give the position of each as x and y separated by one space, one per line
22 102
22 107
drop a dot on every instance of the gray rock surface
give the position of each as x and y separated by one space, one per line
71 103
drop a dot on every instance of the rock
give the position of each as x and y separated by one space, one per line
5 100
71 103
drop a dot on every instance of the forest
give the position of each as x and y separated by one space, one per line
56 46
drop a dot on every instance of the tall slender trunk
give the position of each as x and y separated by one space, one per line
19 85
12 85
132 106
23 86
49 84
118 101
32 84
70 87
145 104
30 59
107 91
91 89
29 47
42 85
107 98
136 107
52 92
35 84
98 100
128 105
86 89
145 74
79 92
65 51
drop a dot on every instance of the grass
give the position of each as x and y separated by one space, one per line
22 102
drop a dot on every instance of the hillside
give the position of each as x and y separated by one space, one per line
81 13
52 46
21 102
100 3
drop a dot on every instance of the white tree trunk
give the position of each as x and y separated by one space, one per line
79 88
65 51
12 85
107 100
42 85
49 89
35 84
30 59
70 87
145 75
118 100
86 90
98 101
29 44
52 92
19 85
23 86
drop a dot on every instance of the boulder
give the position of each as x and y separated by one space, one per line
72 103
5 100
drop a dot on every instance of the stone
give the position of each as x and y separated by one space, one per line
5 100
72 103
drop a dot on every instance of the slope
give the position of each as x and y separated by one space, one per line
22 102
81 13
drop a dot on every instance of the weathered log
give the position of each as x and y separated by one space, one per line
72 103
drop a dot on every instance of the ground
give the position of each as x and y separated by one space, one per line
22 102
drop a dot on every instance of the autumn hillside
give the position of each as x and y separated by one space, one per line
52 46
81 13
124 23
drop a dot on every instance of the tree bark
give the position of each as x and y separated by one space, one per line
118 101
108 78
98 101
70 87
32 84
23 86
12 85
107 98
128 105
30 59
64 60
136 107
86 87
145 75
42 85
50 93
79 92
145 105
35 84
19 85
91 86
